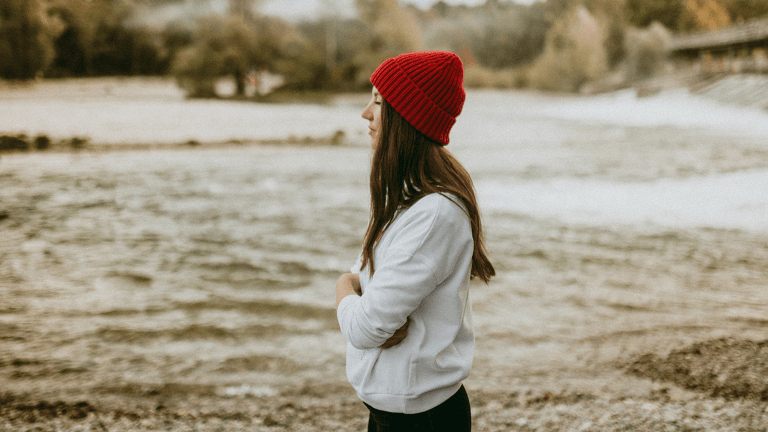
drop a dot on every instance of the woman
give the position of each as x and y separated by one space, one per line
405 308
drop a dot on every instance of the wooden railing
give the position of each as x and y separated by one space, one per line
754 33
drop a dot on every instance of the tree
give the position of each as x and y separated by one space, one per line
641 13
574 53
612 14
393 31
646 51
223 46
703 15
685 15
25 46
745 10
97 38
69 43
176 36
506 36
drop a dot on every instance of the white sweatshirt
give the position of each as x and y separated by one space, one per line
423 262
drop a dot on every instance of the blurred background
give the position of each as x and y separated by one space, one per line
183 181
334 45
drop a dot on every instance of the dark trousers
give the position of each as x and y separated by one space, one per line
451 415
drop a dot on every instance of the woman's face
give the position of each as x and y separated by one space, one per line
372 113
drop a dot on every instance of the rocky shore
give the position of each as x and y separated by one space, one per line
711 386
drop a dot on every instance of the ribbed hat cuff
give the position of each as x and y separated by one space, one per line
397 88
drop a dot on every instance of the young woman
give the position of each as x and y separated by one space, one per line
405 309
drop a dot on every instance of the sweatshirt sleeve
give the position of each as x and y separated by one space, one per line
422 254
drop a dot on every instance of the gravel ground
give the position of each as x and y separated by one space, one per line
715 385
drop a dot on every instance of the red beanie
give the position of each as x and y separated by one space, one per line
425 88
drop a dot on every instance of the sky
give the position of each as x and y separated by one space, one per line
301 9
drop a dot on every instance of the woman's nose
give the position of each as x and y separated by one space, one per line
367 113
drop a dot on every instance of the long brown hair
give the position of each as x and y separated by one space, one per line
407 166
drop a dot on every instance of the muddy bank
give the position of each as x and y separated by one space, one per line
43 143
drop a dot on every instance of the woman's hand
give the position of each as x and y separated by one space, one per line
348 284
398 337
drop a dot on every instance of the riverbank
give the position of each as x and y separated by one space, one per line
332 406
148 113
43 143
114 114
191 289
745 90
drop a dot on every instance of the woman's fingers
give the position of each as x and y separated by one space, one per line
398 336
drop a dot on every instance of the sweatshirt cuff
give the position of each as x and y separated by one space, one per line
350 328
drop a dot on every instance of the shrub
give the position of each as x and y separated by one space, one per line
42 142
574 53
646 50
11 143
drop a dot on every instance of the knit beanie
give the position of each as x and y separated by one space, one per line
425 88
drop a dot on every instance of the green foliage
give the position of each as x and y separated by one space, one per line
25 48
222 46
120 51
175 36
502 43
392 30
646 51
335 46
70 45
612 15
501 37
234 46
574 53
93 38
283 49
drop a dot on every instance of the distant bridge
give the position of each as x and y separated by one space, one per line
737 48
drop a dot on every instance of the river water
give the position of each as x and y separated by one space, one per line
617 226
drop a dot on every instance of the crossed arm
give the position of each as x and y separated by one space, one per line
349 284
